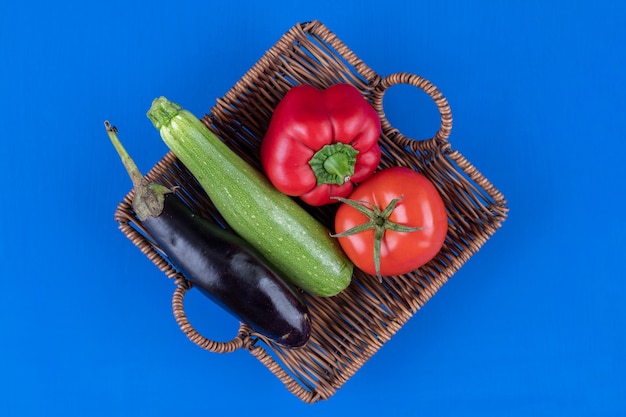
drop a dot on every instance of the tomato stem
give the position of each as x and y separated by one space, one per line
377 220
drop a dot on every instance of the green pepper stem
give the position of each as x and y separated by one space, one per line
338 164
334 164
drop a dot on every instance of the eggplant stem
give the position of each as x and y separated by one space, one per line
133 171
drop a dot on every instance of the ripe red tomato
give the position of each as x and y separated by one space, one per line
404 221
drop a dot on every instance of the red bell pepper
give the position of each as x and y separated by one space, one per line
320 142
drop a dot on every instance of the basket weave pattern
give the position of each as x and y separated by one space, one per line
348 329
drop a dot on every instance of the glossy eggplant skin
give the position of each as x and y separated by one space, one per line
230 272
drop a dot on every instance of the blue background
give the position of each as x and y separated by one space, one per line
534 324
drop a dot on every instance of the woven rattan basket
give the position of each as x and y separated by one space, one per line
350 328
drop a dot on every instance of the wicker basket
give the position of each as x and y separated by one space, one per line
349 328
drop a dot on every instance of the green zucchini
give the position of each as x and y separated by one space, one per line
296 244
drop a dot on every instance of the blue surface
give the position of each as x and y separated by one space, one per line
534 324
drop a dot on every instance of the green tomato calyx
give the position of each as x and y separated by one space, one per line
379 221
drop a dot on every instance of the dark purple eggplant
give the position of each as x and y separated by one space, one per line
223 266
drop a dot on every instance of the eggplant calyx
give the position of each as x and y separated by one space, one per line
149 197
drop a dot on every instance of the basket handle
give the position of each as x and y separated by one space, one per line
193 335
406 78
